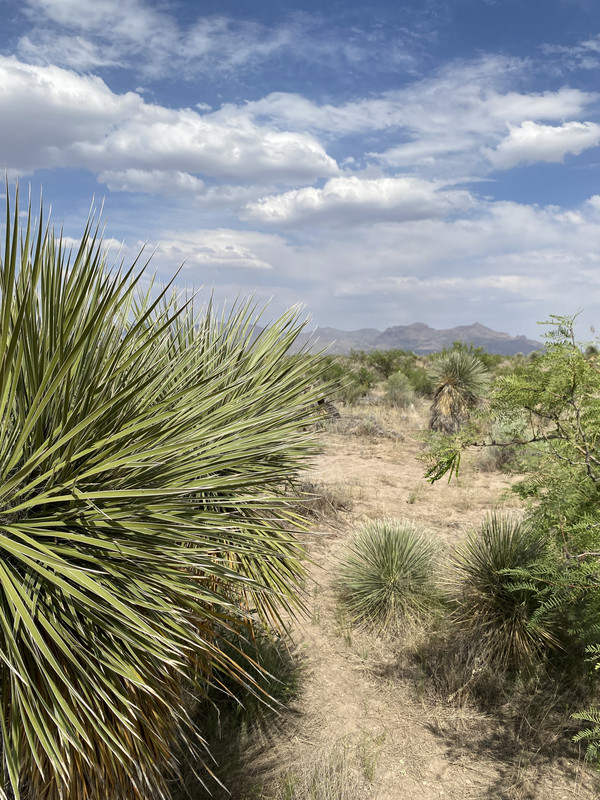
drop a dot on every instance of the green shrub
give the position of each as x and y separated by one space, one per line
506 456
398 391
420 378
500 599
386 574
384 362
344 381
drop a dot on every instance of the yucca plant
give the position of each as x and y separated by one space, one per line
461 379
502 592
386 574
145 457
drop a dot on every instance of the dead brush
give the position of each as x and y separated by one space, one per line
363 426
318 501
523 721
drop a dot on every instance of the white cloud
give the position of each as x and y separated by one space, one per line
532 142
96 32
352 200
517 107
169 184
84 34
466 97
88 15
443 124
76 52
220 250
52 117
506 264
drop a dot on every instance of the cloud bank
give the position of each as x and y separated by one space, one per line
53 117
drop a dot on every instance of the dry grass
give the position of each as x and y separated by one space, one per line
331 775
412 718
320 501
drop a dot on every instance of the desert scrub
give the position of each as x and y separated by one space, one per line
319 501
461 378
500 451
144 457
386 574
501 592
398 391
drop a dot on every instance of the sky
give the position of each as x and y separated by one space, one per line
379 163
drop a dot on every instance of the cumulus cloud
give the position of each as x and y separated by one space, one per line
442 125
466 98
52 117
214 252
533 142
508 258
352 200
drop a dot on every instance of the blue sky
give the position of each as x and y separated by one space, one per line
380 163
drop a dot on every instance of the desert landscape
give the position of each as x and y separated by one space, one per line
368 719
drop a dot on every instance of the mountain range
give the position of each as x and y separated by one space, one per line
418 338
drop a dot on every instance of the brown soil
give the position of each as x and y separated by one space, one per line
359 691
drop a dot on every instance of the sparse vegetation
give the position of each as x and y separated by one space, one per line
152 503
398 390
329 776
320 501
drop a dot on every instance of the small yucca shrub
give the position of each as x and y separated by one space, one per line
500 598
461 379
386 574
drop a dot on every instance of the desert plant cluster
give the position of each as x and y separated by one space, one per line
174 564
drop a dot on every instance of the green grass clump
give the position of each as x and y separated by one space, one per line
386 574
500 599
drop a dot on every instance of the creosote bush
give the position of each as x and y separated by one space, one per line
386 574
398 391
145 456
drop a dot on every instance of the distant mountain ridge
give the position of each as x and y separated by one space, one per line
419 338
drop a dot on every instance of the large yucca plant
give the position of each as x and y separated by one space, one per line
386 574
144 460
500 598
461 379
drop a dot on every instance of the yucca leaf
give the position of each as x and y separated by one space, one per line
145 456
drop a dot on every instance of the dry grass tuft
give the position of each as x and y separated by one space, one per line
330 776
320 501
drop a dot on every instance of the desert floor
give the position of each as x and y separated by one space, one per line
366 719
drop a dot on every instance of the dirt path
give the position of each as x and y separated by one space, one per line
357 692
